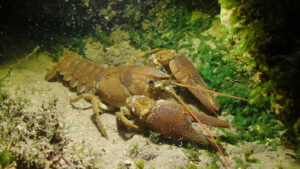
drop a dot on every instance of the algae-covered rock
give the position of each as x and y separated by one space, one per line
265 43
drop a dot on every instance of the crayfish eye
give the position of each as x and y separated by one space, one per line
150 81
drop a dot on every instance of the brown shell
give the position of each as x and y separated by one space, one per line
111 90
81 73
136 79
170 119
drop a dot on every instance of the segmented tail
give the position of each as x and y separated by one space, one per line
80 73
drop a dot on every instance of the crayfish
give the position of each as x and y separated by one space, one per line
138 92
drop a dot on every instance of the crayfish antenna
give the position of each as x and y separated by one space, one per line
202 125
209 91
139 55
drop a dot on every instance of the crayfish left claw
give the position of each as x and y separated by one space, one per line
185 73
167 117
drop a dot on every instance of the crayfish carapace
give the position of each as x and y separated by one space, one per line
134 90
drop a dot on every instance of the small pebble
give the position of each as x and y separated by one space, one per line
128 162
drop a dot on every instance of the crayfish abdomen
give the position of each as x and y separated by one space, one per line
79 72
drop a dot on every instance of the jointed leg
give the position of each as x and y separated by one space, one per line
89 97
95 104
121 116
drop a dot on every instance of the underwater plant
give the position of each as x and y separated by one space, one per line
264 48
19 127
34 51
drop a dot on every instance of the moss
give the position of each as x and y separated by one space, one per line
152 167
52 102
9 72
104 38
191 166
279 166
80 150
177 167
58 44
139 163
133 150
96 160
6 158
154 136
121 166
239 163
170 27
247 154
37 137
192 152
228 4
256 52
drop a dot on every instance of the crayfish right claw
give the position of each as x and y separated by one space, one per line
169 118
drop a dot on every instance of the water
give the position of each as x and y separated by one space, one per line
41 129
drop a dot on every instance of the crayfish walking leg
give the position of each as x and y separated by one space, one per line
95 104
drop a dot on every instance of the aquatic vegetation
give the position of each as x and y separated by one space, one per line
20 127
259 40
214 159
247 154
239 163
52 102
35 139
154 136
192 152
133 150
76 44
222 75
96 160
34 51
80 150
6 158
152 167
280 167
104 38
191 166
170 27
139 163
121 166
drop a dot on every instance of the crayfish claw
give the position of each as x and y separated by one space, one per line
211 121
185 73
169 118
125 121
